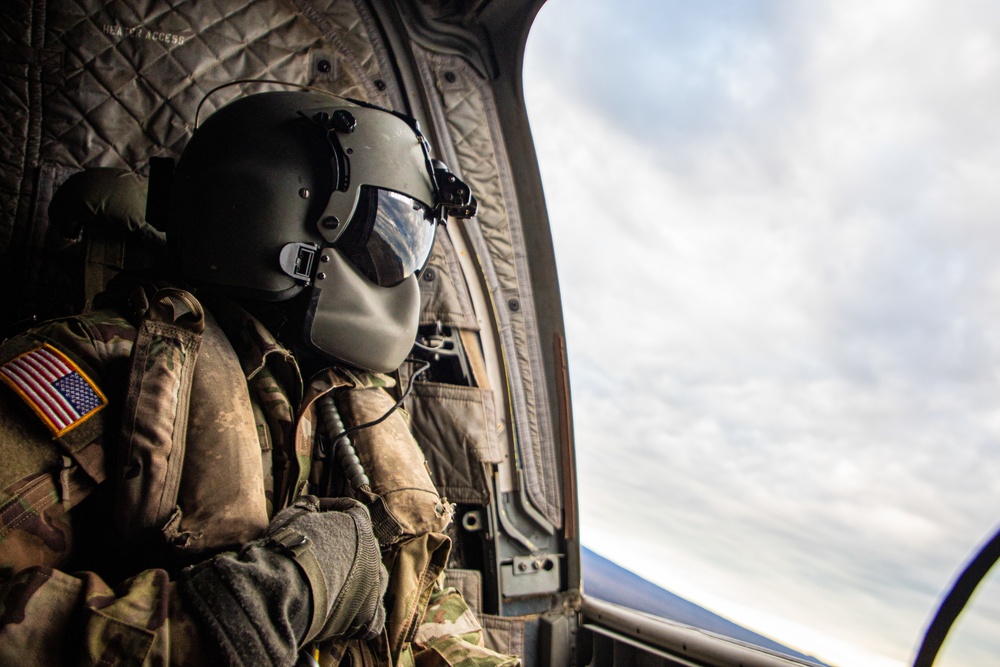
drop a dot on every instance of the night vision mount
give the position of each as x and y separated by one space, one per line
455 198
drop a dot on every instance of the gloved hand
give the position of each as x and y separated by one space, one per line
347 579
316 574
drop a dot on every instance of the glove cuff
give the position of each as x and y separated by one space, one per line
298 547
251 605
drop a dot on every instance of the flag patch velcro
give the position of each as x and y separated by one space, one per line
54 387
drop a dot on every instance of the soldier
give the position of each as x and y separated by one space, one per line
187 457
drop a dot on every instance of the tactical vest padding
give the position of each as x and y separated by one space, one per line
394 462
221 495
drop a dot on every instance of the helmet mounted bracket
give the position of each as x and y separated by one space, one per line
297 260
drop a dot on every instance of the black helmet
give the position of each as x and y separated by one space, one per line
283 192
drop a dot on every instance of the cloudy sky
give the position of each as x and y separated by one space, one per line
777 229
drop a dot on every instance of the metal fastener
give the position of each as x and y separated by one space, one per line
304 193
320 276
428 274
323 66
330 222
450 77
514 305
344 121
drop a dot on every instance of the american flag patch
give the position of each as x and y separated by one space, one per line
54 387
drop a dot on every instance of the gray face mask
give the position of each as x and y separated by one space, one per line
355 321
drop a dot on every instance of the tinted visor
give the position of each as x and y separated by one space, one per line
389 237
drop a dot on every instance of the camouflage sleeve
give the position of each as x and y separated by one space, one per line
47 470
49 617
450 636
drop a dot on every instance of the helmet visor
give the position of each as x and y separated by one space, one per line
389 237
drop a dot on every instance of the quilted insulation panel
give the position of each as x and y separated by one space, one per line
89 83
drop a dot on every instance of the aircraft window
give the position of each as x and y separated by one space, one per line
776 228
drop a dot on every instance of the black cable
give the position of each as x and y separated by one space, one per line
956 600
290 84
342 449
406 392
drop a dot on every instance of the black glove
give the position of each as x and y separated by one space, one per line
349 582
315 575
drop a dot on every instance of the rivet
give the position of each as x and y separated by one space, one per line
323 66
514 305
522 566
320 276
350 151
330 222
380 84
450 77
304 193
324 258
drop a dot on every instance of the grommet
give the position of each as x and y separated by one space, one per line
450 77
472 521
329 222
323 66
514 305
380 84
428 274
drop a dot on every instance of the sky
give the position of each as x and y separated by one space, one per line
776 231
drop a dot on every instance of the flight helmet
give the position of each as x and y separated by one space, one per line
303 194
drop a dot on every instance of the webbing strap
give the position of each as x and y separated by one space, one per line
296 545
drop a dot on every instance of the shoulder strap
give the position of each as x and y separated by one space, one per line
155 413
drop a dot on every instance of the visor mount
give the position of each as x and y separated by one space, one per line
297 260
455 197
343 121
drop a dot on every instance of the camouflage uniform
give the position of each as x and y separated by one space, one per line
248 454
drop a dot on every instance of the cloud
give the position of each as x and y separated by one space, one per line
776 238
